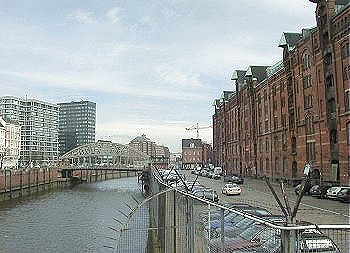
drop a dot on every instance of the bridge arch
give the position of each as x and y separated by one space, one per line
102 153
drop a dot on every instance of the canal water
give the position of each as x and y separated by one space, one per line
70 220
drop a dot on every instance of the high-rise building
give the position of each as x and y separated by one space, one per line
39 128
77 124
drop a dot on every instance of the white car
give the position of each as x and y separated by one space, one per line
333 191
231 189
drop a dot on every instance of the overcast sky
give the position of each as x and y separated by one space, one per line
152 66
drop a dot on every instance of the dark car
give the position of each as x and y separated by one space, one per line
319 191
297 189
344 195
234 179
253 236
208 194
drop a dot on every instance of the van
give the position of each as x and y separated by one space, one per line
218 170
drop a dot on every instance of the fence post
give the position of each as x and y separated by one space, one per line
209 228
10 184
289 241
37 180
44 175
29 180
21 182
174 221
5 181
191 225
222 232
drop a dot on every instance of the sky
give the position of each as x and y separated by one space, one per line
153 67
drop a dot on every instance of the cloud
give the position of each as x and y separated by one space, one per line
169 133
113 15
83 16
169 74
101 84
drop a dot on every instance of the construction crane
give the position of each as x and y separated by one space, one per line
196 127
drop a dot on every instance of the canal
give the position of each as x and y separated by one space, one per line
69 220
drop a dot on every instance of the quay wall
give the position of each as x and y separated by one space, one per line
15 184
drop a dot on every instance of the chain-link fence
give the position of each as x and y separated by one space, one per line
173 220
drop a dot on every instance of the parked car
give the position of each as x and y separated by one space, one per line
208 194
319 191
297 189
314 241
344 195
217 170
310 242
216 176
231 189
234 179
333 191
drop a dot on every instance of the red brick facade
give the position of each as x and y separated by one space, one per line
195 153
296 111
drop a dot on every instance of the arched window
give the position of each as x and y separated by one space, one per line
345 50
306 59
309 125
348 132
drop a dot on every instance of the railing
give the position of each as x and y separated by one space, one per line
173 220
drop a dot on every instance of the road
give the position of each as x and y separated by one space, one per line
257 193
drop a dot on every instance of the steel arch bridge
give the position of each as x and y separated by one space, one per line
104 153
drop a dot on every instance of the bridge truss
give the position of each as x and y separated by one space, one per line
104 153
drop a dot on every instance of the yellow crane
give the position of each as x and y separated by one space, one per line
197 128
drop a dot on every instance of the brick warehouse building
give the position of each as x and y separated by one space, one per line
195 153
298 110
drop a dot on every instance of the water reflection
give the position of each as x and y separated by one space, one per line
71 220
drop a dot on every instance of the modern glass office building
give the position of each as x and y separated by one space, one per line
77 124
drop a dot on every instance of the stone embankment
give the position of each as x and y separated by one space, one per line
14 184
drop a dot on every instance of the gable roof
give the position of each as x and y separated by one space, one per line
289 40
187 143
258 72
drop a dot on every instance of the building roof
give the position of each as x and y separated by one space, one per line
77 103
238 75
275 68
289 40
191 143
226 95
141 138
258 72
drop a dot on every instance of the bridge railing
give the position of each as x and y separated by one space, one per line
182 222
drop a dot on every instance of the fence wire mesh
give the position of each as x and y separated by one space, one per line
173 220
